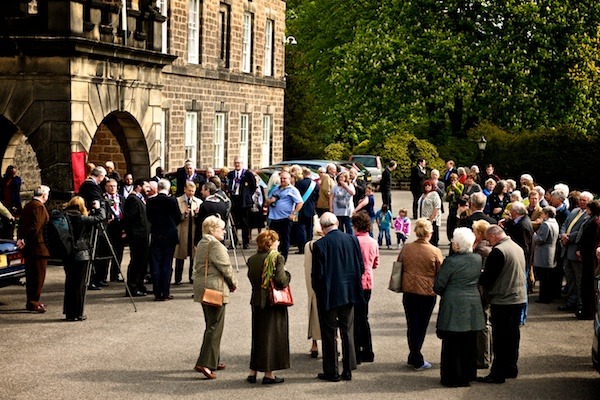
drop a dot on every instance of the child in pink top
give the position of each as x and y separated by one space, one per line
402 227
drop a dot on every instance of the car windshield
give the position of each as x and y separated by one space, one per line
366 161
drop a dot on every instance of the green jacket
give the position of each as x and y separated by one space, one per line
220 272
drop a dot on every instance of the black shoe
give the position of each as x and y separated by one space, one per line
329 377
246 247
566 307
271 381
91 286
314 354
136 293
490 379
102 284
347 375
177 283
251 379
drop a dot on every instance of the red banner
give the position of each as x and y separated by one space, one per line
78 166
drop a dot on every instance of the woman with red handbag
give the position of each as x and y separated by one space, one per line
270 333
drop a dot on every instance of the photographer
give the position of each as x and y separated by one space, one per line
78 263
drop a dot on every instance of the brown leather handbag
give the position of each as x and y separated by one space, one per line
280 297
211 297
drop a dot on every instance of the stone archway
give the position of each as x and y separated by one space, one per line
16 150
119 138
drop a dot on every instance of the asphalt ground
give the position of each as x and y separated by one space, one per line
149 354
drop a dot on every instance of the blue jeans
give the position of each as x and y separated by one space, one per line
388 240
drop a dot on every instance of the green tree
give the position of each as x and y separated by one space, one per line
448 64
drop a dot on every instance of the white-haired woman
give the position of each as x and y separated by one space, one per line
212 260
461 314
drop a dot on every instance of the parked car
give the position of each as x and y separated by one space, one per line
372 163
595 351
12 263
363 172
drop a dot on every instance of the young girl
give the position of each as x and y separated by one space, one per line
384 221
402 227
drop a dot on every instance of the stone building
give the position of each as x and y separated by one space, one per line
150 85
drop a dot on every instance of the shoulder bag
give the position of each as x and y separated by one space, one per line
211 297
396 278
280 297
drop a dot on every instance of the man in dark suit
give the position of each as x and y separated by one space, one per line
212 204
450 169
336 279
476 204
137 231
309 190
91 190
417 175
187 173
114 210
31 243
519 228
385 185
164 216
360 186
242 185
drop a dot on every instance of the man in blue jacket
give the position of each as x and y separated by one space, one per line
336 279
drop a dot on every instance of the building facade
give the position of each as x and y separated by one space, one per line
151 84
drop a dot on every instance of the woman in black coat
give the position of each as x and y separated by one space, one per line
270 333
78 263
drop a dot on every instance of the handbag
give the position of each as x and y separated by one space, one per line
280 297
211 297
396 278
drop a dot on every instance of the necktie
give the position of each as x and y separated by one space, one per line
572 224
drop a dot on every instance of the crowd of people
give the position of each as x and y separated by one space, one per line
504 237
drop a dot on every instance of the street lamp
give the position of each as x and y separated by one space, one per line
481 143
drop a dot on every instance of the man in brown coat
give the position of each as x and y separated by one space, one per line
31 242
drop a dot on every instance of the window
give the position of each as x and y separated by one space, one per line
247 43
244 130
269 33
219 156
194 31
191 135
265 148
163 7
224 34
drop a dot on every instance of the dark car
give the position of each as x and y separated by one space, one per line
595 353
12 264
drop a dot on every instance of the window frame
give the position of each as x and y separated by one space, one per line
219 140
247 42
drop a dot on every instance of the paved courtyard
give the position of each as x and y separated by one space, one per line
149 354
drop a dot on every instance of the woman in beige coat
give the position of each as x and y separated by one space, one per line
421 261
212 258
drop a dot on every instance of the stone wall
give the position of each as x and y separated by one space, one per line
208 88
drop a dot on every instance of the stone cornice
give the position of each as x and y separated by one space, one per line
55 46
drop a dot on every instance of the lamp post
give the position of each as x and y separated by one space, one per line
481 144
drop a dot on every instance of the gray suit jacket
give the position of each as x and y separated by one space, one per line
545 241
569 250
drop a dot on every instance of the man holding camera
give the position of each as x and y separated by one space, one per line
284 204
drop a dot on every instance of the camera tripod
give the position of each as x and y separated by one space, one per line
97 230
230 230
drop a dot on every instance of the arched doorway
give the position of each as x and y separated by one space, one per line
119 138
16 150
